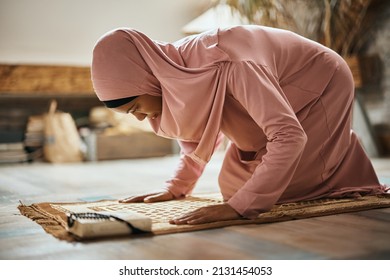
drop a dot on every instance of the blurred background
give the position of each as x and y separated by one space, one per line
46 47
63 32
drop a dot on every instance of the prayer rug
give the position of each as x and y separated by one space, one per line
52 216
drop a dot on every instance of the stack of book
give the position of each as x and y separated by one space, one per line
12 152
34 137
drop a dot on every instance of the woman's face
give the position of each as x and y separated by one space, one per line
144 106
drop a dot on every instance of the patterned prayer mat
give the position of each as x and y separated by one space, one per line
52 216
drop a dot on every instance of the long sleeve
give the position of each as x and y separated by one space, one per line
257 89
187 171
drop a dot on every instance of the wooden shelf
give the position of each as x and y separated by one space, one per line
45 80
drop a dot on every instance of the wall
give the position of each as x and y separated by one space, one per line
64 31
377 98
381 45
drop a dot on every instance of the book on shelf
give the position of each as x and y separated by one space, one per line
13 152
34 136
13 146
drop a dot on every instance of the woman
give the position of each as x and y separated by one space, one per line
283 101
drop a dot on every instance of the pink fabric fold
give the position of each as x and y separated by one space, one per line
188 75
284 102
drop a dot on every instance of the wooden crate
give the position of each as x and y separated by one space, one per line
136 145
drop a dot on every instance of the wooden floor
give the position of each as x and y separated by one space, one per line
360 235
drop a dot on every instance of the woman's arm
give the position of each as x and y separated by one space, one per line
182 182
187 172
258 90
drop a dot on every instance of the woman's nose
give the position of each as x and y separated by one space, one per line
139 116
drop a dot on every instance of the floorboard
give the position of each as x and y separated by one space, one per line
359 235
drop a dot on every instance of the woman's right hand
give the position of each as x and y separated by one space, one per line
151 197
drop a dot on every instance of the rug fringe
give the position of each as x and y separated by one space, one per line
50 225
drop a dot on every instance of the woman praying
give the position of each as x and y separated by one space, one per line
283 101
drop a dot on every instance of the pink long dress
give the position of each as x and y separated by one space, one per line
287 112
285 102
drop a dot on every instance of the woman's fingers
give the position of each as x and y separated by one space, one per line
137 198
132 199
188 217
152 197
159 197
207 214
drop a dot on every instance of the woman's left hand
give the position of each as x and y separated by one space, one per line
208 214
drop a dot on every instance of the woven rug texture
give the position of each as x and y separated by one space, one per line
52 216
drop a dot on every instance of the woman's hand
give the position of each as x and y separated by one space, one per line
208 214
151 197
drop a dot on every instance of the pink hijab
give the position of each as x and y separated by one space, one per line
189 75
